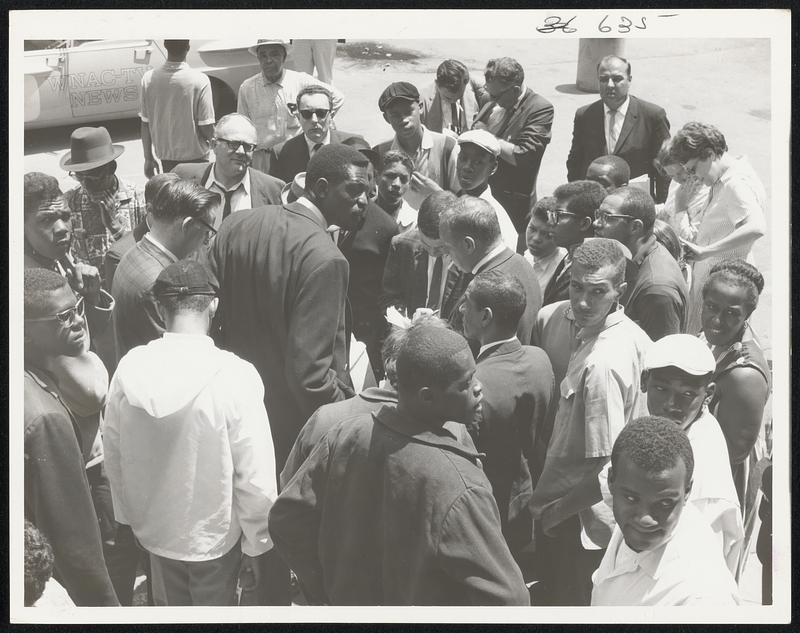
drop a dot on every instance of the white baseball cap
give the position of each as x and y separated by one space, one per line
684 351
483 139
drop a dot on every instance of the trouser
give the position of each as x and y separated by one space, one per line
169 165
564 567
274 588
308 54
196 583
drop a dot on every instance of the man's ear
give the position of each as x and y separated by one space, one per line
425 395
610 478
645 379
688 490
185 223
586 223
621 289
637 227
711 389
486 317
494 168
212 308
320 189
469 243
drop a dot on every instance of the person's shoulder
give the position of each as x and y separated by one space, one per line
190 171
589 108
250 81
341 136
648 107
266 180
537 101
383 147
555 311
40 404
407 240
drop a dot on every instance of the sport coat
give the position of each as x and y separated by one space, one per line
507 262
528 128
644 130
264 189
431 107
289 158
283 291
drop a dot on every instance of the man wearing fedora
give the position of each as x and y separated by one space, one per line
103 207
269 97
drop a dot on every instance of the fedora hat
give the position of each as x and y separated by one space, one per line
90 147
254 49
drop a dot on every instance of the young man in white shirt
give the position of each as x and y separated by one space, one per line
543 254
662 552
189 452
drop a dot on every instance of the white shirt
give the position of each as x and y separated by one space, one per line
618 121
188 449
311 144
151 238
507 229
241 198
406 216
544 267
686 570
446 263
492 253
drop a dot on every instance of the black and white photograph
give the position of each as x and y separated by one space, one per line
432 316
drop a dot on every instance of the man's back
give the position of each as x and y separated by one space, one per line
381 514
405 282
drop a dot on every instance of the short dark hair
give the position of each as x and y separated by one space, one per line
583 197
668 238
154 184
314 89
598 253
430 211
608 58
39 188
697 140
176 46
184 303
505 69
39 563
741 274
183 199
654 444
473 217
504 294
396 156
620 171
638 204
426 356
542 207
394 341
452 74
40 284
332 163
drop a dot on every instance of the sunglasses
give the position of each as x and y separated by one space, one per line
604 216
235 145
554 216
98 173
65 317
321 114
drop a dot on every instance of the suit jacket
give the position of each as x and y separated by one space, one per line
431 107
264 189
283 288
528 128
405 278
289 158
507 262
519 397
644 129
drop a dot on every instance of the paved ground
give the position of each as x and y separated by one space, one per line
720 81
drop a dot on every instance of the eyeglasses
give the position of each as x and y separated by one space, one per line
210 230
502 93
235 145
604 216
692 171
65 317
321 114
98 173
554 215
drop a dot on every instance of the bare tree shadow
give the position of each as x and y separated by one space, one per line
572 89
56 139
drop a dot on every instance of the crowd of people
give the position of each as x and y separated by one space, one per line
298 368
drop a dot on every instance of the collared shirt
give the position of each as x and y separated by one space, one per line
406 216
686 570
446 265
331 229
241 198
428 161
600 394
494 344
618 121
96 226
499 248
544 267
507 228
447 114
267 104
311 144
151 238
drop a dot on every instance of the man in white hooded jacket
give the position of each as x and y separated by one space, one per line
189 452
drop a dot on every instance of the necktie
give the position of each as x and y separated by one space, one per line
435 291
612 135
315 148
455 123
228 196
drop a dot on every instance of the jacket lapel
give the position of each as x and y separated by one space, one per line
483 113
257 198
628 124
516 115
420 275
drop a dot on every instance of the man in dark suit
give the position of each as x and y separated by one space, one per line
283 288
519 397
619 124
451 102
471 233
419 273
230 175
315 114
521 120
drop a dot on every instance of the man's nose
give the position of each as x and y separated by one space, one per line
646 520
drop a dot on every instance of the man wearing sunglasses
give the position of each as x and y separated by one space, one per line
656 300
315 115
57 497
231 174
182 220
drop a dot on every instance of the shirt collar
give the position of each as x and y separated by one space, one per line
492 253
622 109
244 182
406 216
149 237
425 144
277 82
645 249
325 141
494 344
377 394
613 318
175 65
316 212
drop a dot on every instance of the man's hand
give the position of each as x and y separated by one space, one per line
423 185
85 280
151 167
548 518
694 252
250 572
